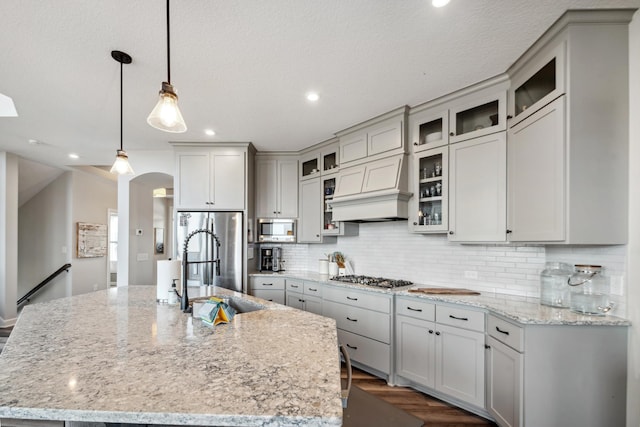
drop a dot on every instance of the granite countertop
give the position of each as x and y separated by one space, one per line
117 356
524 310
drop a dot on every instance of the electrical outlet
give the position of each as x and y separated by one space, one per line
470 274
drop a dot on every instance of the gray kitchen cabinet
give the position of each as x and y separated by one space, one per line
310 219
268 288
429 206
567 179
304 295
478 189
364 320
440 349
276 187
210 178
381 136
556 375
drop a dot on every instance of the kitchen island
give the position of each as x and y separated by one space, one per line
116 356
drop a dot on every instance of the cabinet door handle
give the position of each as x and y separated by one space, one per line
414 309
509 117
415 223
275 212
351 320
451 232
437 333
300 300
352 347
415 143
430 331
317 235
458 318
352 299
501 331
508 231
452 134
487 346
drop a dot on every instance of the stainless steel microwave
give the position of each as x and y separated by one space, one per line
277 230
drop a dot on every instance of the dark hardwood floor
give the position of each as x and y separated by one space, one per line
434 412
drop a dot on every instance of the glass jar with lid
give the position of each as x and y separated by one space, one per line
554 289
590 290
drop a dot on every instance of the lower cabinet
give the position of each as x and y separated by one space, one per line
267 288
556 375
364 320
304 295
441 348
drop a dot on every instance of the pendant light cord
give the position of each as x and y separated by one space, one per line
168 48
121 65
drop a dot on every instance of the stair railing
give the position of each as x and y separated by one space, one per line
40 285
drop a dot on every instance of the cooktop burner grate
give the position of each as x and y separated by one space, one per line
380 282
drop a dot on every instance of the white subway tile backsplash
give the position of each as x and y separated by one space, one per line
389 249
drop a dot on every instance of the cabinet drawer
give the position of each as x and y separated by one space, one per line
366 300
460 318
313 288
359 321
416 308
366 351
506 332
266 283
295 285
275 295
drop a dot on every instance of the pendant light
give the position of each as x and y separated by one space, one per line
166 115
121 165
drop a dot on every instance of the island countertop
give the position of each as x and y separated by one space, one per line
117 356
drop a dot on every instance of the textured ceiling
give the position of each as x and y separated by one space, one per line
242 68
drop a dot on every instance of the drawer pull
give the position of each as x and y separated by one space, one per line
295 286
352 347
437 333
300 300
351 320
501 331
352 299
267 284
414 309
459 318
313 289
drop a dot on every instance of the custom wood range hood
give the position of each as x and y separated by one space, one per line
374 191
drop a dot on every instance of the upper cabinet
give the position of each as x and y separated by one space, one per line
211 177
568 138
472 112
276 187
379 137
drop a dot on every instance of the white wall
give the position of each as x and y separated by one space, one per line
633 271
44 230
92 197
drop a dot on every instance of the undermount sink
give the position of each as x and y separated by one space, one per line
241 305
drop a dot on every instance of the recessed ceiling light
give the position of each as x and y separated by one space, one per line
35 142
439 3
73 156
312 96
210 132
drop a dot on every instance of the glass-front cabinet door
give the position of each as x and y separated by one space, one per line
478 117
329 226
429 129
430 196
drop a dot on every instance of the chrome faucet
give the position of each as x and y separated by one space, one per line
184 298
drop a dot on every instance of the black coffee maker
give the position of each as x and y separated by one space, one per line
270 259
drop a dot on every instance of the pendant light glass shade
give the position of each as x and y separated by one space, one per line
166 115
121 166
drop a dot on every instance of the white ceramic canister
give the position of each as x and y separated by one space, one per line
333 269
590 290
323 266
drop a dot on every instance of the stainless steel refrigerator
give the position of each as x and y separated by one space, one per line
212 260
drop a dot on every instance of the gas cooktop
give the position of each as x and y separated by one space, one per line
379 282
